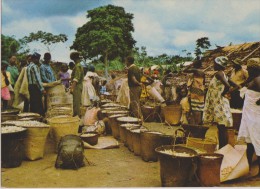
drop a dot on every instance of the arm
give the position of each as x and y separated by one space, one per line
220 76
134 80
38 78
234 84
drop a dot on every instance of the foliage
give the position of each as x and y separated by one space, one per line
10 46
106 34
201 45
47 39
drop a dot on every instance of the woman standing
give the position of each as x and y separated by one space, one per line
5 81
196 86
217 108
77 80
250 123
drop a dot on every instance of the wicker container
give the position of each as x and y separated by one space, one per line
34 142
61 126
172 114
207 145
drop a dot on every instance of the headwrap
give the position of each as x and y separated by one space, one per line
222 61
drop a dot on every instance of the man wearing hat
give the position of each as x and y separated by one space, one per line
36 89
239 76
5 81
217 108
77 82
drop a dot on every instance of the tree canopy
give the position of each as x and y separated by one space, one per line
201 44
108 34
47 39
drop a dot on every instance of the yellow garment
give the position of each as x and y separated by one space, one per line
144 93
240 76
3 79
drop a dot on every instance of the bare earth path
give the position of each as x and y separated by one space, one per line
113 168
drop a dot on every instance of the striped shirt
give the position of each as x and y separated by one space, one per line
47 73
33 75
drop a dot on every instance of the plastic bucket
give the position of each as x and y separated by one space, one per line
175 170
150 141
208 170
172 114
12 148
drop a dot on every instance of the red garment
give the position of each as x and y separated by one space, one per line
5 94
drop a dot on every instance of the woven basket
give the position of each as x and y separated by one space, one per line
34 142
172 114
207 145
61 126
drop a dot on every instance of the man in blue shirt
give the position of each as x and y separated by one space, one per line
47 73
36 89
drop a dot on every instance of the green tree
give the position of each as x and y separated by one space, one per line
10 46
201 45
107 34
47 39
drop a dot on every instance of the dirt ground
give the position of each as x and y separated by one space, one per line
112 168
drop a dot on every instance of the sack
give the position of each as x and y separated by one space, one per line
70 153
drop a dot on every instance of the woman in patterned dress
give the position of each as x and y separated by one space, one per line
217 108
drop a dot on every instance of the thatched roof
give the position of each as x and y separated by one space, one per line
243 51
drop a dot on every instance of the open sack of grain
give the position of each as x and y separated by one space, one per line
234 164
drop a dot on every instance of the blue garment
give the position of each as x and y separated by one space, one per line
103 89
47 73
33 75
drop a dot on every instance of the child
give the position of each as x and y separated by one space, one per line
103 88
185 104
6 76
64 76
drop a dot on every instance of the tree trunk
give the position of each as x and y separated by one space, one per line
106 64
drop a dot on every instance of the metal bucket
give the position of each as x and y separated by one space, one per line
129 136
9 114
122 131
150 141
12 148
175 171
136 139
115 125
209 169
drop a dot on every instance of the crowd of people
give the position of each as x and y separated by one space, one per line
200 105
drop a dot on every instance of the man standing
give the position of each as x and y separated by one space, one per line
12 68
36 89
77 77
135 87
47 73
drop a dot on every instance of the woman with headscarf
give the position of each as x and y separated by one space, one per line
77 80
217 108
250 124
89 93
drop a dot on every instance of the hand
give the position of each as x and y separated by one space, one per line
71 90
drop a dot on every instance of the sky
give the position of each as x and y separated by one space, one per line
162 26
